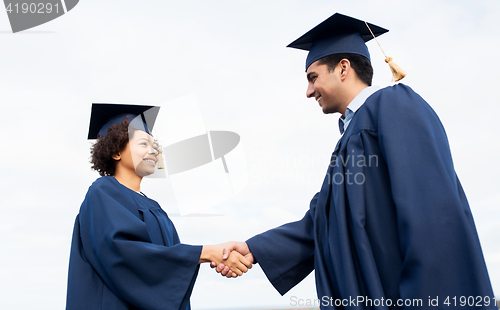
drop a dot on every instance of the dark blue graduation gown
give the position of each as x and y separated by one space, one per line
126 254
391 220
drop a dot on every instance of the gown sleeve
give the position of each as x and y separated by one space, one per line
115 241
286 253
441 252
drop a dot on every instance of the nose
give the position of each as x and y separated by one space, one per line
310 90
152 150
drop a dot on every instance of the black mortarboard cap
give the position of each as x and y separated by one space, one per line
104 115
337 34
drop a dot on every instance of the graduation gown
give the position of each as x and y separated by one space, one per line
126 254
391 220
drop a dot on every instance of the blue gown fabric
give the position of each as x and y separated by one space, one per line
391 220
126 254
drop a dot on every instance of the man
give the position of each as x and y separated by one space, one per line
391 226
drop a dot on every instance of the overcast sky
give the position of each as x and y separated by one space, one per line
231 56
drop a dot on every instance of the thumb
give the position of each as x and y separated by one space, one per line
250 257
225 253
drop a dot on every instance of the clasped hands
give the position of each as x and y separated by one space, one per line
235 260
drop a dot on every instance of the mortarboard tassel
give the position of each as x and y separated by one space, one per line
397 73
161 162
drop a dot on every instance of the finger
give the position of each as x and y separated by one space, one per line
213 265
225 253
230 274
238 272
242 268
225 270
245 261
220 267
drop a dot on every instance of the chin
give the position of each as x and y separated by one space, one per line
147 173
144 171
327 111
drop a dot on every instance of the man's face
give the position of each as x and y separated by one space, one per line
324 86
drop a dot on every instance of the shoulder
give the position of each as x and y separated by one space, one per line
398 97
106 197
398 101
400 108
397 91
392 102
110 188
104 184
105 190
102 181
400 87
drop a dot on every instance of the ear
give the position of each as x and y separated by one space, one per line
117 156
344 68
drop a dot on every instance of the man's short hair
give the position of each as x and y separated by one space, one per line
360 64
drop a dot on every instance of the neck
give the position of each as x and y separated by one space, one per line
353 91
130 180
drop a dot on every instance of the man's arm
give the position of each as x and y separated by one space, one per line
285 253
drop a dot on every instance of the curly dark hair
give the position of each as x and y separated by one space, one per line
359 63
112 143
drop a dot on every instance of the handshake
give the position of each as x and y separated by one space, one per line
231 259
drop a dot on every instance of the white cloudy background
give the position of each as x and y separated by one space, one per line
232 56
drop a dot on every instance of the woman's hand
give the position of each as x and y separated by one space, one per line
230 247
235 262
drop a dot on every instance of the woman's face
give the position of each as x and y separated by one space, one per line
140 154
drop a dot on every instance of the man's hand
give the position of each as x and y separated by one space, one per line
229 247
234 263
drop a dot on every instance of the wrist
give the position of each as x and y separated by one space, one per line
207 254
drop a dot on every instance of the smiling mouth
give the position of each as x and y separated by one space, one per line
151 161
318 99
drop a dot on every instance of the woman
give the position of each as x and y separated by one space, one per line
125 252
